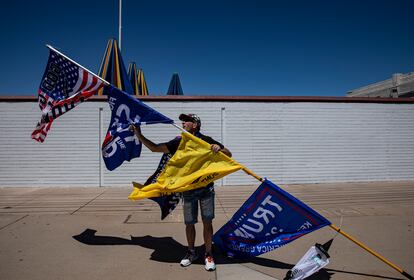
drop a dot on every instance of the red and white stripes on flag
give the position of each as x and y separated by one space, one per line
64 85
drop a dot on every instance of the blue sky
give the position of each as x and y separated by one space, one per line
276 48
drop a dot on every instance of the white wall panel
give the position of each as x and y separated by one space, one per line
68 157
288 142
321 142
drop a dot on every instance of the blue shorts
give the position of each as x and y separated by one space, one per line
191 199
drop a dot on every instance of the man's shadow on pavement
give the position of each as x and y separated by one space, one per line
168 250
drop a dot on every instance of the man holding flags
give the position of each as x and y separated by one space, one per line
203 196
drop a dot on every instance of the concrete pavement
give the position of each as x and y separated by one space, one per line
97 233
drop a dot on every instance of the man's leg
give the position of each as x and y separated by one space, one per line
191 234
190 209
208 235
207 213
190 218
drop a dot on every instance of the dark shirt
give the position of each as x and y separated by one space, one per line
174 143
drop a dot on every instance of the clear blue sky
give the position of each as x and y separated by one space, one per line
289 48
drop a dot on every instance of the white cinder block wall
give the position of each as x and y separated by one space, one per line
287 142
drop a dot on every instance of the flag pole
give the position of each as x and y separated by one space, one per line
180 128
71 60
120 24
248 171
371 252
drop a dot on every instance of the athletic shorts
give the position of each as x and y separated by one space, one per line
204 197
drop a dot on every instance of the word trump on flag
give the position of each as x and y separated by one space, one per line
269 219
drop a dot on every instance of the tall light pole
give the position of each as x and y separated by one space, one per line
120 24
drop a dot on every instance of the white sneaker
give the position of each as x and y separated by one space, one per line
189 258
209 261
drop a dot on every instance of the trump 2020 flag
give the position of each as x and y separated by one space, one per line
64 86
120 143
269 219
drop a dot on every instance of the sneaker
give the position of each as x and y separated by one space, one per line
189 258
210 265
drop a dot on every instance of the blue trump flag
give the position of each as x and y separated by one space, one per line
269 219
120 143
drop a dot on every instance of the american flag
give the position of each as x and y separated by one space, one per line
64 85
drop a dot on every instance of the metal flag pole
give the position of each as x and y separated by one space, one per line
74 62
120 24
180 128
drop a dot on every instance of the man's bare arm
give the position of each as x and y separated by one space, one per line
160 148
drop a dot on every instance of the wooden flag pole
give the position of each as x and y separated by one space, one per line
372 252
248 171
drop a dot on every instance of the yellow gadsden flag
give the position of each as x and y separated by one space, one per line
192 166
